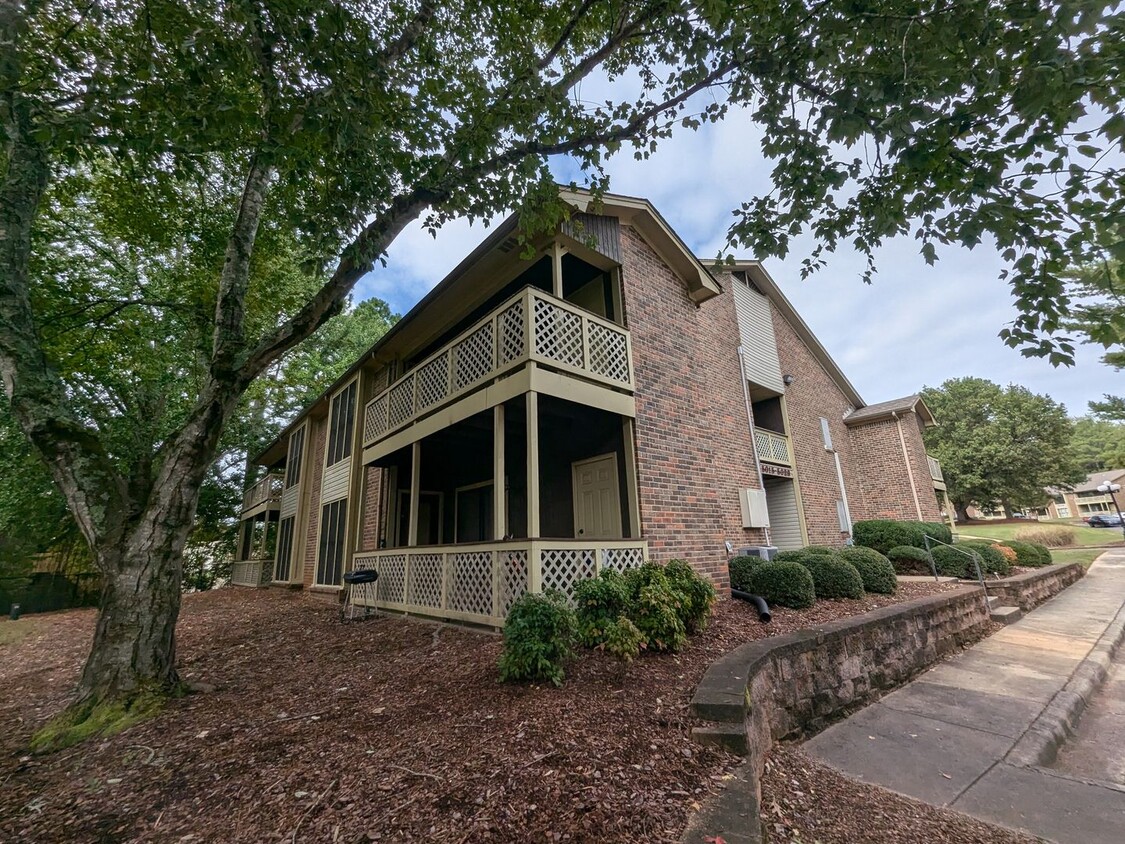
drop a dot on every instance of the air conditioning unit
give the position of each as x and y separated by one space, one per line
766 552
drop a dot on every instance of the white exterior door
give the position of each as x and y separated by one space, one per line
597 498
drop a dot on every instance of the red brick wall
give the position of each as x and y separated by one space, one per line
883 473
372 500
812 395
693 443
318 436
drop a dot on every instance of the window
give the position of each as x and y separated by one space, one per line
342 425
826 433
281 570
293 463
330 561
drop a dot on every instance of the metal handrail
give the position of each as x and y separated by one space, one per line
972 555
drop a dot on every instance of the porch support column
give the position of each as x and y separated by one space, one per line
499 514
556 269
415 493
533 465
632 493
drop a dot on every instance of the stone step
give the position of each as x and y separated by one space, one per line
1006 615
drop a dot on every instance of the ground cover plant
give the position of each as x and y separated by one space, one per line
1052 536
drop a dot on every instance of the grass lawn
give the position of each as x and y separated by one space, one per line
1085 556
12 631
1082 535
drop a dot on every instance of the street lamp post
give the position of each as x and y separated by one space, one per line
1113 489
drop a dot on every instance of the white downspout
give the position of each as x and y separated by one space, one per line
753 439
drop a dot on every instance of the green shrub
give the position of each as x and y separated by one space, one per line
647 574
834 577
907 559
885 534
740 568
937 530
623 640
875 570
950 562
698 594
783 584
656 613
992 558
1029 554
600 602
538 638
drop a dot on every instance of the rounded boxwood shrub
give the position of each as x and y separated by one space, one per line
907 559
600 601
950 562
740 568
538 638
698 593
782 584
1029 554
834 577
937 530
885 534
875 570
993 560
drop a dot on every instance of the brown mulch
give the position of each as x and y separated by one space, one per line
385 730
805 801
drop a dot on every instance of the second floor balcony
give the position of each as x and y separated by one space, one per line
263 495
772 447
530 327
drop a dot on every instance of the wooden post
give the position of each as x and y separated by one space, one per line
533 465
556 269
499 511
415 493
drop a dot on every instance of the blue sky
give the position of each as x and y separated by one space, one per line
915 326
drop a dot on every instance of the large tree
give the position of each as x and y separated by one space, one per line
999 445
1099 444
328 127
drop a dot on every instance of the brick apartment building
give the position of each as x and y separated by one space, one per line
608 400
1084 500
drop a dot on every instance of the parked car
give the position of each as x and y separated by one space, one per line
1104 520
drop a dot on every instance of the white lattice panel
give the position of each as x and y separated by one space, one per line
472 357
392 578
622 558
513 579
424 589
401 402
512 336
562 568
772 447
609 353
375 419
558 333
433 381
470 582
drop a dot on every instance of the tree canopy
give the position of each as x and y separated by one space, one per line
1099 444
999 445
258 157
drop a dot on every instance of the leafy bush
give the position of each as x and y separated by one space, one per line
647 574
937 530
538 638
992 558
875 570
600 602
1009 553
1029 554
623 640
1052 536
656 613
698 593
783 584
740 568
834 577
885 534
907 559
950 562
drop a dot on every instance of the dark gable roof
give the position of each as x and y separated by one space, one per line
890 409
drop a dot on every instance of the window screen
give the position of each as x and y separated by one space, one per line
281 571
293 463
343 425
330 561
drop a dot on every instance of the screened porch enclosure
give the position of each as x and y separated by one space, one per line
538 492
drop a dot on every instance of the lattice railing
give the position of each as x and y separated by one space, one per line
480 582
772 447
268 488
251 572
531 326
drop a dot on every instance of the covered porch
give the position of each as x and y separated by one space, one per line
536 492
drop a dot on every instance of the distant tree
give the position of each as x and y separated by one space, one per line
999 445
1097 311
1099 443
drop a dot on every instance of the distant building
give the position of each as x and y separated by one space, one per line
1084 500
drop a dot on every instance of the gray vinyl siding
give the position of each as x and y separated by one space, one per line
785 522
603 231
756 336
336 480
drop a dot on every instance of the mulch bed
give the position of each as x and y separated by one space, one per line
387 730
805 801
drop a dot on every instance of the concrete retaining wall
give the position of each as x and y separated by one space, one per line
1027 591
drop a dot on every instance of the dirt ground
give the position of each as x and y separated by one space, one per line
388 730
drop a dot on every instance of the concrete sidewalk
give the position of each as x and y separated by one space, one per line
971 733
